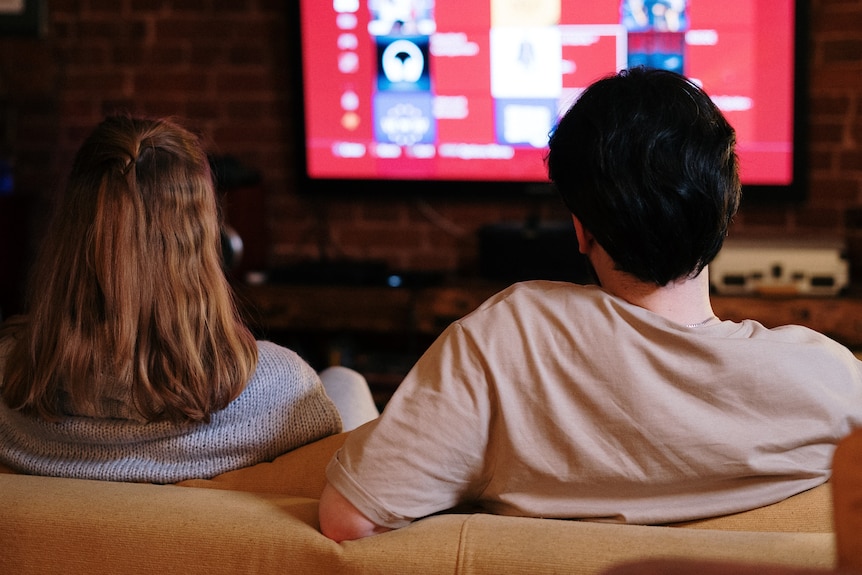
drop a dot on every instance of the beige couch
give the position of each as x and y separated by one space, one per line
263 519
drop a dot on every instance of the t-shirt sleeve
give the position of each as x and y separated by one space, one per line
426 453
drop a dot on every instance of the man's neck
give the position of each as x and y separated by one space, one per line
685 301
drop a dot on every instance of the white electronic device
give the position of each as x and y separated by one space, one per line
780 267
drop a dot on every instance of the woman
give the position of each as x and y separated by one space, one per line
132 362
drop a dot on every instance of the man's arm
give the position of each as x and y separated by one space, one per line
341 521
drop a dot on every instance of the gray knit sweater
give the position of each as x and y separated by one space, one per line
283 407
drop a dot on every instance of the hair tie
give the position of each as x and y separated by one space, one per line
129 163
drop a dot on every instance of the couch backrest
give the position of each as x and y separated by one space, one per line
263 520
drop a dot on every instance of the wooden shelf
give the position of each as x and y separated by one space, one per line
427 311
286 307
838 317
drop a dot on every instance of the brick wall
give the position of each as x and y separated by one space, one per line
223 66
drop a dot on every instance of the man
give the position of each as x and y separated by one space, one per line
628 401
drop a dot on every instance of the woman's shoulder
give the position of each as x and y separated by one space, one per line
276 362
271 355
281 367
273 351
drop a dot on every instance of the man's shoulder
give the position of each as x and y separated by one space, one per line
543 290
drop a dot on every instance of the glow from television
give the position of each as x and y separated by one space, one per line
425 92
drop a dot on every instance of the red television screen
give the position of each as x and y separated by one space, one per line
424 94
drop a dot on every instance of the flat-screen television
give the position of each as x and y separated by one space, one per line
459 96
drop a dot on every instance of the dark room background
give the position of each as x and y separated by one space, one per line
224 66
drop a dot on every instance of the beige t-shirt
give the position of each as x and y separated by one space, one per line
557 400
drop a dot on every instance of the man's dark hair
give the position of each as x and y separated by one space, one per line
646 162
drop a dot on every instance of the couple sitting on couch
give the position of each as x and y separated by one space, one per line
625 401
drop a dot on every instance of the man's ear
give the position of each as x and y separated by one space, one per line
585 238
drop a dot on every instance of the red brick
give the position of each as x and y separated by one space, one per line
243 54
242 80
820 216
239 6
850 161
216 29
150 81
207 54
101 83
115 29
831 79
180 6
823 105
826 132
169 54
843 50
839 18
840 189
149 6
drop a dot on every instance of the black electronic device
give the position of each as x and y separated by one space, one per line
518 251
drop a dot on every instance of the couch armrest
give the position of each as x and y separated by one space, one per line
806 512
847 499
83 527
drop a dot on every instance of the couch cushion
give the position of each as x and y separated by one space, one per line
494 544
299 472
78 526
688 566
807 512
74 526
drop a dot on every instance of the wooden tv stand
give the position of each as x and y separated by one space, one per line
426 311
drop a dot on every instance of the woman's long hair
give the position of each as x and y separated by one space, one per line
129 312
